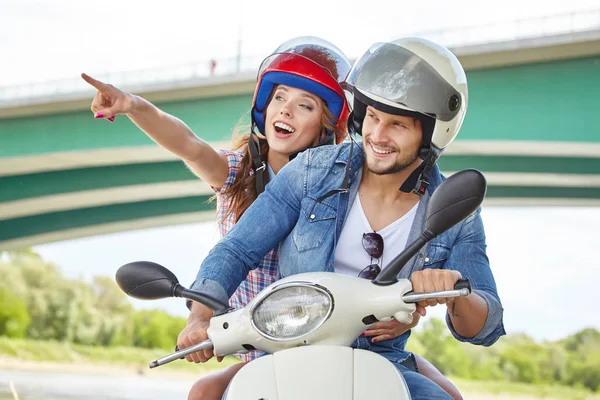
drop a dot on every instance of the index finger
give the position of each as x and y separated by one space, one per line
95 83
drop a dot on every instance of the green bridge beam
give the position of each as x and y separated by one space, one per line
530 128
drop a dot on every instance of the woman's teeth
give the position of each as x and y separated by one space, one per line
285 127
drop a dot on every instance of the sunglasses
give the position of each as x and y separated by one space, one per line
372 242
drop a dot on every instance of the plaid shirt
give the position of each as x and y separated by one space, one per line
258 278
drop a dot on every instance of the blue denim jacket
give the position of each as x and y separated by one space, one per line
289 214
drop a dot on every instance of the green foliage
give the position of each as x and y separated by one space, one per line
156 329
573 361
585 372
14 317
521 363
65 352
45 305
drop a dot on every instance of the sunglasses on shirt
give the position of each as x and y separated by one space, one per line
372 242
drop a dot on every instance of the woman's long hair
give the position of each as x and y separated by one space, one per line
243 190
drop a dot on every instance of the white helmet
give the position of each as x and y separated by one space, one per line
412 77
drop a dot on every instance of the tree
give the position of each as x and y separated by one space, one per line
525 360
585 372
583 342
14 317
442 349
155 329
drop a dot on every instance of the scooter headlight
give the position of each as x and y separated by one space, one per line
292 310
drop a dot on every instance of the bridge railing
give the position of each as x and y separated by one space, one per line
73 88
519 29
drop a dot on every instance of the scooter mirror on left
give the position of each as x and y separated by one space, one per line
147 280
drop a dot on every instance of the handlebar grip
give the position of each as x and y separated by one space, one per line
463 284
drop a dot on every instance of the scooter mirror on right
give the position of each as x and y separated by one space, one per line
454 200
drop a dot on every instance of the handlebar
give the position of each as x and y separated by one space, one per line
207 344
462 288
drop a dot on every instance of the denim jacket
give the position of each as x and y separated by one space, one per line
292 214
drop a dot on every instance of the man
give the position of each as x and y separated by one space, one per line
339 209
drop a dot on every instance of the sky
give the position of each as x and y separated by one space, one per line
543 258
54 39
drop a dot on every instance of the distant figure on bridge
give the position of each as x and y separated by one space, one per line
298 103
213 66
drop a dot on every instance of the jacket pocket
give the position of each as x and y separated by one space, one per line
436 255
316 222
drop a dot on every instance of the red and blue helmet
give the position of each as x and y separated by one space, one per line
308 63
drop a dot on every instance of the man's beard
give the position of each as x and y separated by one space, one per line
405 161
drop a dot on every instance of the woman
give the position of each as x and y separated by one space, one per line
298 103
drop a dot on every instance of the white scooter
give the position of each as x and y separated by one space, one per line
307 322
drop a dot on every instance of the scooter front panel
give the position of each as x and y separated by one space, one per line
375 377
256 380
319 373
311 372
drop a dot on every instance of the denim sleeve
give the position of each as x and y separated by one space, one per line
468 256
263 226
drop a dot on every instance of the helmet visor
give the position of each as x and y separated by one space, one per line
399 76
315 49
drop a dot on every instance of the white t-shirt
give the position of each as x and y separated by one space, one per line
350 256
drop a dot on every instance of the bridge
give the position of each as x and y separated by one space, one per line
531 128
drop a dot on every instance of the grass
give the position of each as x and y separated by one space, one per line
69 353
541 391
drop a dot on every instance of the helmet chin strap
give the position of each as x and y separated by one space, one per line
258 164
418 180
